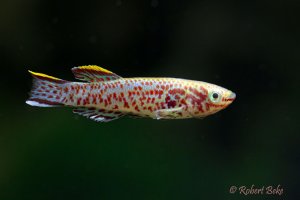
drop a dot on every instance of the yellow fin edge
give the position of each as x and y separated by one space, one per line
96 68
43 75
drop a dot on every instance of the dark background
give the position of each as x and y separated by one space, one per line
249 47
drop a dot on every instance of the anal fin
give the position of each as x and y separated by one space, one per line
98 115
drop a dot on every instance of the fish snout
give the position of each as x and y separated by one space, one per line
230 97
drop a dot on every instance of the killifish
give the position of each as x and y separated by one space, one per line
104 96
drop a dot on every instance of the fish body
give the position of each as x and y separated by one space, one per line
106 96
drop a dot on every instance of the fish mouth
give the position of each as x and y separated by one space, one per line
231 97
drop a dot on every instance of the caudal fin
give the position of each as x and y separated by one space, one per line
47 91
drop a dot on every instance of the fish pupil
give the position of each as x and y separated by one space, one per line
215 95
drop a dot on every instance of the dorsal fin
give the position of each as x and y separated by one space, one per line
93 73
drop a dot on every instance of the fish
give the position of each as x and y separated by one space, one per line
103 96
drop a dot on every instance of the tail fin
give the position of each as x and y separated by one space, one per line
47 91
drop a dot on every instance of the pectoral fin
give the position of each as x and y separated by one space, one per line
172 113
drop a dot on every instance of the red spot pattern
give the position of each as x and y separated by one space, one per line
171 104
116 107
126 105
177 91
78 101
198 97
137 96
137 108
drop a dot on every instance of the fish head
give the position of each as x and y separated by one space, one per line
207 99
218 98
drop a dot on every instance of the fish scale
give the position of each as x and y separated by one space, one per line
107 96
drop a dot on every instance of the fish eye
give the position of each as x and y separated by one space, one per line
215 97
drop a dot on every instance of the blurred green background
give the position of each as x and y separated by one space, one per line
250 47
